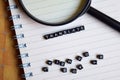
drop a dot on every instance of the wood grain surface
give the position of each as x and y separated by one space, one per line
9 62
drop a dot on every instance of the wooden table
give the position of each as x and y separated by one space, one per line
9 69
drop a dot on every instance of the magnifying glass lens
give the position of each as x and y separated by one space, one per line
53 11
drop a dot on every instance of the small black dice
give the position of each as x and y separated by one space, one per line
62 63
82 27
68 31
51 35
85 54
60 33
78 29
100 56
73 30
49 62
45 69
94 62
46 36
56 34
79 66
64 70
79 58
74 71
56 62
65 32
69 61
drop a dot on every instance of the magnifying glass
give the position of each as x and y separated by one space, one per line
61 12
55 12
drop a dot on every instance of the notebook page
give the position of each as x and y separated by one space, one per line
97 38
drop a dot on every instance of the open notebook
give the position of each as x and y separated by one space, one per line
97 38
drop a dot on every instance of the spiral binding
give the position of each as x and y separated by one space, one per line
18 26
12 7
19 36
25 55
23 45
27 75
14 17
25 65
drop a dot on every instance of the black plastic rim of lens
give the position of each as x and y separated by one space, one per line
83 11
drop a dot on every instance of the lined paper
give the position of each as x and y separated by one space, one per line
97 38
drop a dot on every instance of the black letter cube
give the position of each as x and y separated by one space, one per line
64 70
85 54
79 58
49 62
100 56
57 62
62 63
74 71
45 69
79 66
69 61
94 62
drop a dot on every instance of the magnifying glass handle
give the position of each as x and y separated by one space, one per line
104 18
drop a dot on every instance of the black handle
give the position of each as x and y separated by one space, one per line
104 18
